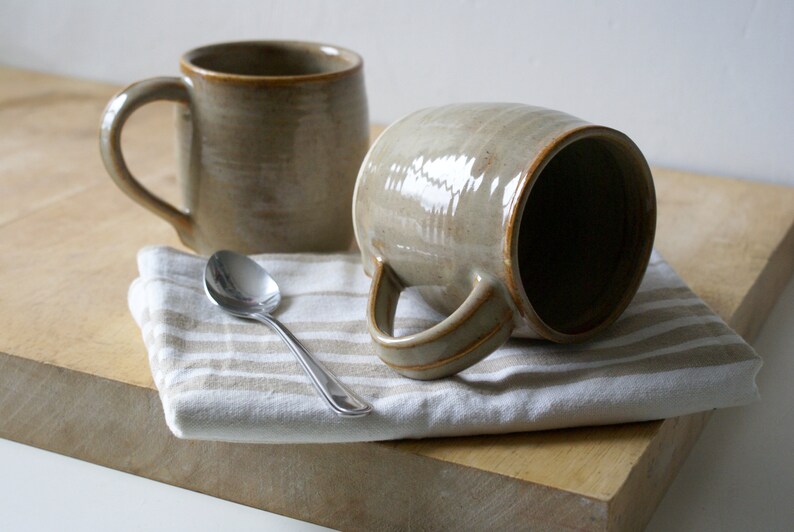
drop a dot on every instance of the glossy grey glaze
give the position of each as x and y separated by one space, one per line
439 202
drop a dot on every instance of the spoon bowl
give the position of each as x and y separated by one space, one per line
244 289
237 283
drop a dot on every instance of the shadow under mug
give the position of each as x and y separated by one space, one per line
512 219
270 136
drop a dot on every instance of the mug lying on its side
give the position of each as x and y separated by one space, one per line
512 219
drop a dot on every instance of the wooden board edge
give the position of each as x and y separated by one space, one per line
355 486
654 472
752 312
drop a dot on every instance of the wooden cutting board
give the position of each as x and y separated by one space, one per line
74 377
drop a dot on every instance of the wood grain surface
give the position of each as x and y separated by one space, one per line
74 377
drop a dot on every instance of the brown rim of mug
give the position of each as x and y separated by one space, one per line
187 65
510 250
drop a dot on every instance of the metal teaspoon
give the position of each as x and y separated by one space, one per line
244 289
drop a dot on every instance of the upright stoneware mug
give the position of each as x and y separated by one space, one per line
270 137
514 220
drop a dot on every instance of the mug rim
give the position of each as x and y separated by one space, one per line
188 66
510 250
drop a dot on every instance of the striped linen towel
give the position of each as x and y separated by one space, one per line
223 378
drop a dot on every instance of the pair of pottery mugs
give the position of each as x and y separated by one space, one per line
513 220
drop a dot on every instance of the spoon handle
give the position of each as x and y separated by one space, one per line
343 401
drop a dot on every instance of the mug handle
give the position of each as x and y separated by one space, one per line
482 323
118 110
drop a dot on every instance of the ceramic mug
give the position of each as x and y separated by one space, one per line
270 136
511 219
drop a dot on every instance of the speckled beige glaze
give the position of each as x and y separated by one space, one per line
439 202
270 138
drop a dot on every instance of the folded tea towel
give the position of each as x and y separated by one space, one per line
224 378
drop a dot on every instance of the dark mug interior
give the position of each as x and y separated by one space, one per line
271 59
586 233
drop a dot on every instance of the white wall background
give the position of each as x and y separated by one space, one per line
706 86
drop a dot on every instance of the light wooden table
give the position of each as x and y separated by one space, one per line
74 376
